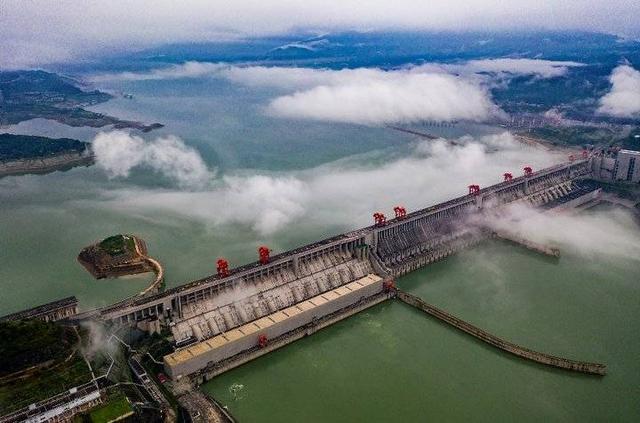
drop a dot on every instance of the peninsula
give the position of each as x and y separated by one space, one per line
35 94
20 154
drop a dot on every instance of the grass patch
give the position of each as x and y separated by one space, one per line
117 406
118 244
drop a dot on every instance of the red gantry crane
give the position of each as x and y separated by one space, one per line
507 176
379 219
389 285
222 266
474 189
263 340
400 212
263 254
528 171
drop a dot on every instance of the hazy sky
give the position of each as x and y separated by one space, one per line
37 32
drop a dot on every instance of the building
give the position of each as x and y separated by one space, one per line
621 166
628 166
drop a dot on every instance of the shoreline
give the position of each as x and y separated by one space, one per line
44 165
545 144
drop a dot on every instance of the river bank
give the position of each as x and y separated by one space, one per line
41 165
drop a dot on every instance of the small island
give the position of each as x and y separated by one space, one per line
121 255
115 256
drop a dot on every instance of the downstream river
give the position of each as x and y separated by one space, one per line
286 183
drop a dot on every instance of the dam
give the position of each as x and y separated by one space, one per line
238 314
226 319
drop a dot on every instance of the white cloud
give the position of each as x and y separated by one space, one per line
344 193
399 97
624 98
118 152
79 29
264 203
371 95
364 95
298 77
590 234
506 67
184 70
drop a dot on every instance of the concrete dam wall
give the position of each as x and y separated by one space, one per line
50 312
229 318
401 245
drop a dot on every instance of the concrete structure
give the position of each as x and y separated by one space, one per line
59 408
628 166
50 312
217 321
338 260
209 311
621 166
538 357
218 348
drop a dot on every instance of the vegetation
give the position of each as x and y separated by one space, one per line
43 384
28 95
616 136
578 136
118 244
15 147
37 86
116 407
44 351
32 342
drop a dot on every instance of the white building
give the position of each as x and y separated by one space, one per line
625 166
628 166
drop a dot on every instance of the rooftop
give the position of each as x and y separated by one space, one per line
267 321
